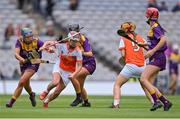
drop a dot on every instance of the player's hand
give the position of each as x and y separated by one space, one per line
122 60
71 76
50 50
82 52
22 61
149 54
140 44
41 48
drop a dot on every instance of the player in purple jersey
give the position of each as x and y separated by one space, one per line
157 59
24 48
174 60
89 65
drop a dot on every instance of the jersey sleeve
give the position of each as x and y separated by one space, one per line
86 46
79 56
40 43
121 44
18 44
59 48
158 32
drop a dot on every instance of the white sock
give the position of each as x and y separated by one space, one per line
46 100
116 102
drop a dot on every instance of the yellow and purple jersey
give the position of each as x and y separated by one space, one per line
173 62
154 36
85 45
26 49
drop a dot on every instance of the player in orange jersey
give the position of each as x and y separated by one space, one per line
67 67
134 59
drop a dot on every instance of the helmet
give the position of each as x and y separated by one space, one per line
72 36
133 27
74 27
26 32
152 13
128 27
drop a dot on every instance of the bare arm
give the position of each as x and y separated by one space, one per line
156 48
160 44
78 68
121 59
18 57
47 45
88 54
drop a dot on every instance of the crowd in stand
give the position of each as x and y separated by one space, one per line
163 6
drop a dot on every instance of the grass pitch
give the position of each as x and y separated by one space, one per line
131 107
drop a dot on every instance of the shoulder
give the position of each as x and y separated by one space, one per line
83 38
157 28
140 37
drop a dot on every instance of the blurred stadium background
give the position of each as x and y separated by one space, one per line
101 19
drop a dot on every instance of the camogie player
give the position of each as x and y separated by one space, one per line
174 60
157 59
24 47
68 65
89 64
133 56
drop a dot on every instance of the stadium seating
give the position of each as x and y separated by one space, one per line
102 18
9 13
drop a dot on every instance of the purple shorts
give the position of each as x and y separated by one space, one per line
173 69
159 60
34 67
90 66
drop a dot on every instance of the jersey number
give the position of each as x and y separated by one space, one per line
135 47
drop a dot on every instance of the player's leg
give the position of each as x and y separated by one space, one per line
167 104
51 85
77 88
24 78
55 94
173 83
147 94
120 80
30 92
145 77
81 78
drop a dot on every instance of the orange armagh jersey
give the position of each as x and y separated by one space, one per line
68 59
133 53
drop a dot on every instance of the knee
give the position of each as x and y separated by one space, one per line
117 84
21 83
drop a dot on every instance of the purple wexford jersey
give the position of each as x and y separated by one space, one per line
87 47
88 62
154 35
25 52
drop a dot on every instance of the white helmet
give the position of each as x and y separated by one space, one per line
73 35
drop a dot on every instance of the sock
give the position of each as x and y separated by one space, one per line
13 99
154 97
116 102
78 95
31 94
86 101
46 100
163 100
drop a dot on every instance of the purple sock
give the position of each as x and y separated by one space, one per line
154 97
163 100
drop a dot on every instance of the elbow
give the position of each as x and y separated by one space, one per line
90 54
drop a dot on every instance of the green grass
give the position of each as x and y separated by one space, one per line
131 107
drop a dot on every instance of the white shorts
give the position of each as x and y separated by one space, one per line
131 70
64 74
